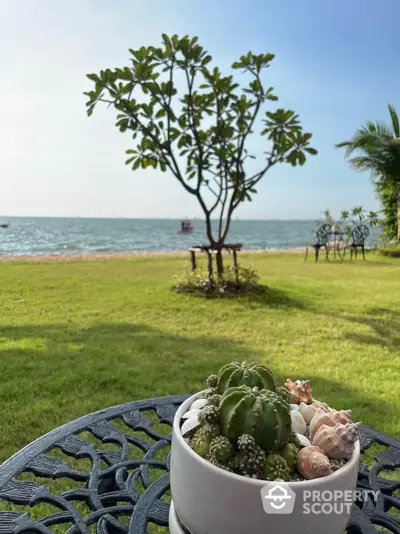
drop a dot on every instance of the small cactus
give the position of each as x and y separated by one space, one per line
276 467
251 463
261 414
248 374
210 392
295 440
289 454
221 449
200 444
209 414
212 381
284 393
214 400
246 443
210 431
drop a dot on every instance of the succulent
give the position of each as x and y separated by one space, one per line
221 449
250 463
209 414
200 444
264 415
214 400
246 443
210 392
276 467
248 374
284 393
210 431
289 454
212 381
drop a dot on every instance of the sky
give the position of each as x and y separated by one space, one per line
336 65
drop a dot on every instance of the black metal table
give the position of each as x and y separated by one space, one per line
108 472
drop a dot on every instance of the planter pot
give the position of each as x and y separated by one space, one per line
209 500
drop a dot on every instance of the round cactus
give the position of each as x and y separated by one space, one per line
295 440
246 443
251 463
221 449
276 467
284 393
200 444
212 381
210 392
289 454
248 374
209 414
210 431
261 414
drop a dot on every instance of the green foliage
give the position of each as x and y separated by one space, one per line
199 133
198 281
376 148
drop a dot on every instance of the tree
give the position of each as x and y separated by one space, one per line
200 133
377 149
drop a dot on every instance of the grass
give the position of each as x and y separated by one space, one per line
76 337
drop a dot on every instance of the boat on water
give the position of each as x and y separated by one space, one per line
3 225
186 227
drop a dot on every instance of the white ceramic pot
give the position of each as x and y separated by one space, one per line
209 500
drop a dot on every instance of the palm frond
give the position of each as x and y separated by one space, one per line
395 121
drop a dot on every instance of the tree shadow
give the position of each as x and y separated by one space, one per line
384 324
275 299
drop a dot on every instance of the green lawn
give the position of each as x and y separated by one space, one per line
76 337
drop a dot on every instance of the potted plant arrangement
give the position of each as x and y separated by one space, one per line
243 432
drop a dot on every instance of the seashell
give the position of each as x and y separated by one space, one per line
338 441
321 406
312 463
304 442
294 407
343 417
188 425
191 413
298 423
300 390
307 411
198 404
320 418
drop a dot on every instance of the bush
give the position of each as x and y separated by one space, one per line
244 280
392 250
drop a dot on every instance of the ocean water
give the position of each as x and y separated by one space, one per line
55 236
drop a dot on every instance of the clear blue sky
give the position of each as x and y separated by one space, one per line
336 65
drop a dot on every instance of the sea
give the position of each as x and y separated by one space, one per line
66 236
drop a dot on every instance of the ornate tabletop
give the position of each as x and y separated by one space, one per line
108 472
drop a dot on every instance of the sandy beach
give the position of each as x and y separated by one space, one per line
46 258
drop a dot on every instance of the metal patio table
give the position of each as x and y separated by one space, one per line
108 472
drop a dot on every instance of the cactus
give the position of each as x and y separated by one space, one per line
250 463
210 431
212 381
248 374
289 454
295 440
221 449
209 414
214 400
200 444
246 443
276 467
284 393
210 392
262 414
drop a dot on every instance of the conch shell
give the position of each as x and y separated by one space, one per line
338 441
343 417
300 390
321 418
312 462
322 406
307 411
298 423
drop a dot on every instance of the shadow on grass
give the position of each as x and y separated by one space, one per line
274 298
384 325
105 364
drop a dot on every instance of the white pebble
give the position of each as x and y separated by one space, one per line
189 425
198 404
303 440
191 413
298 423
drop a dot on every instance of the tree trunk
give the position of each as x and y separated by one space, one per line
220 265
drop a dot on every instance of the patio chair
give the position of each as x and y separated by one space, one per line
357 241
323 236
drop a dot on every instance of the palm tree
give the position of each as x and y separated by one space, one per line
376 148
